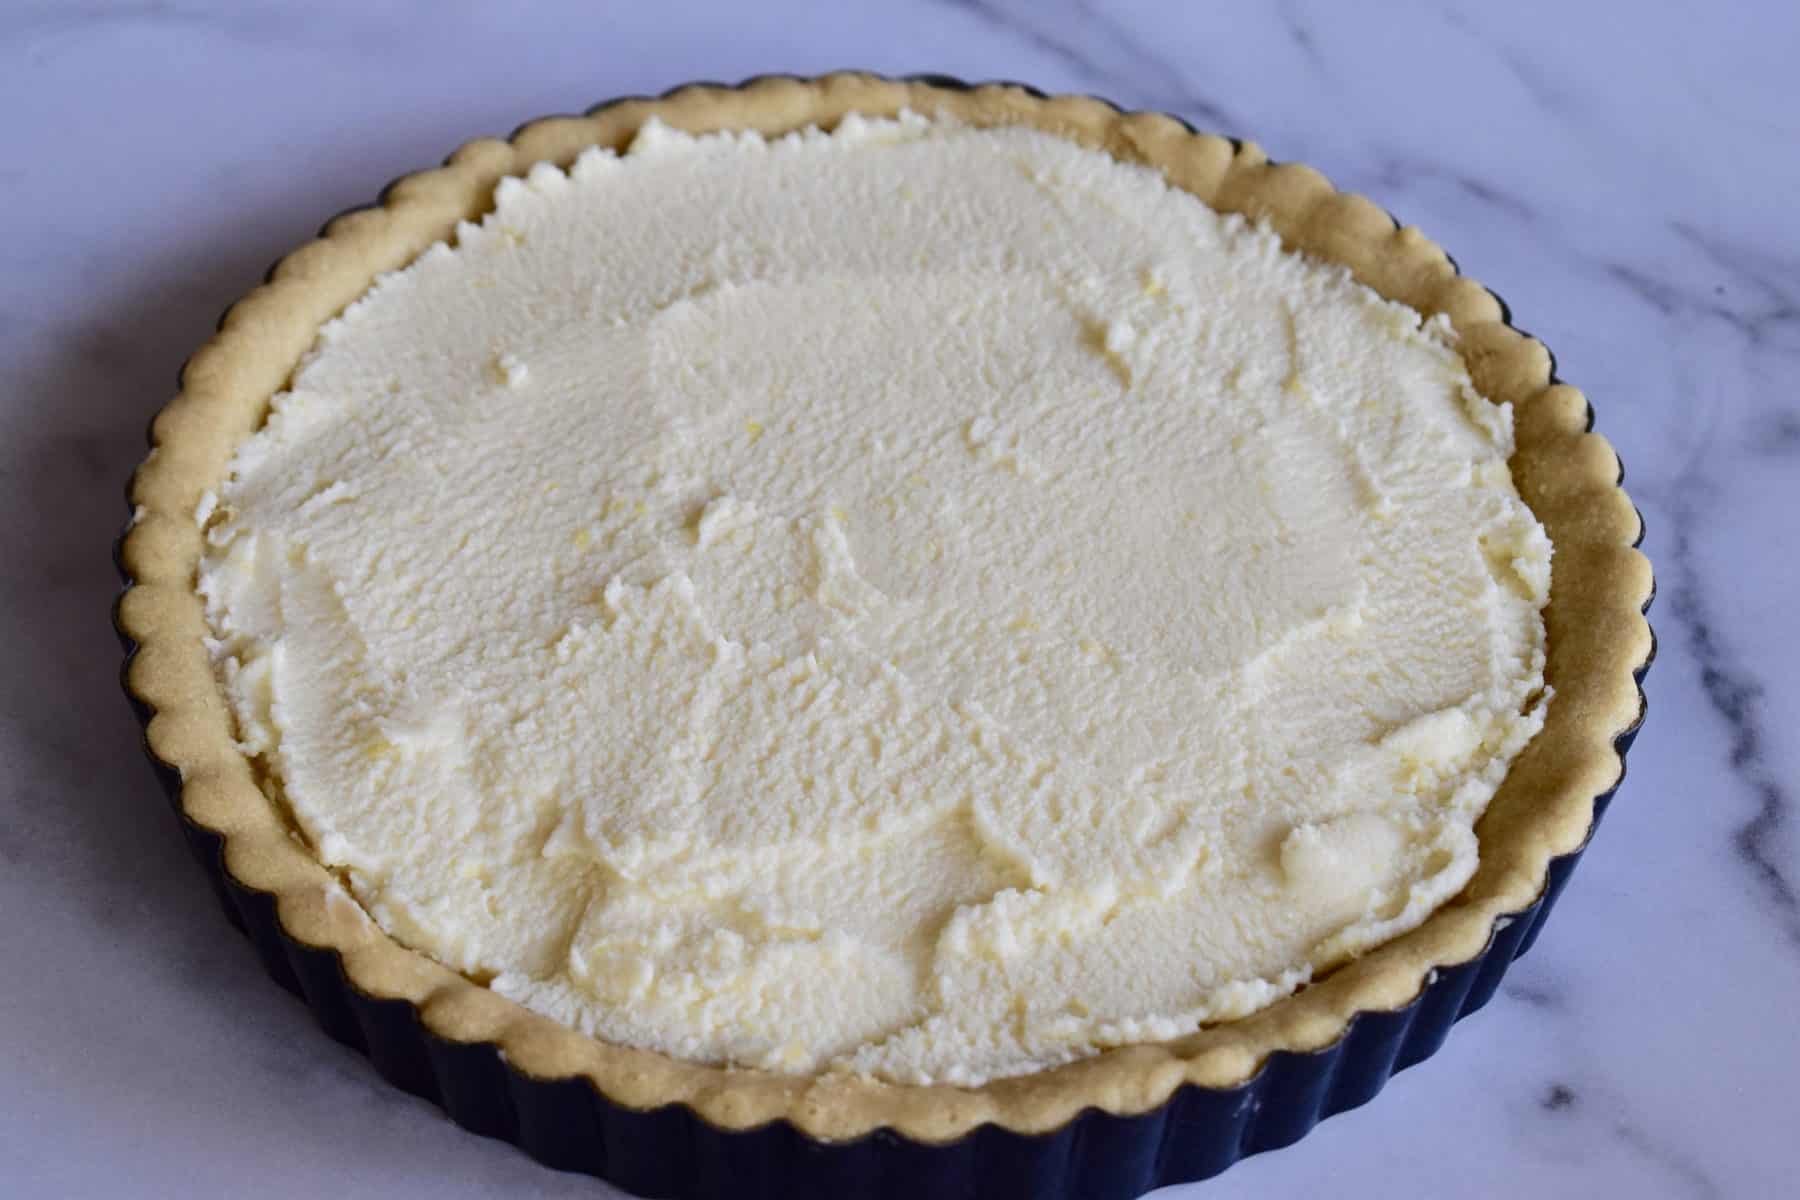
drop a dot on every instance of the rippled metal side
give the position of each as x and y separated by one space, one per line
673 1152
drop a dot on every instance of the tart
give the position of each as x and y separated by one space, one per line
770 616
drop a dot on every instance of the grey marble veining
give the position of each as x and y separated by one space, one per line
1623 174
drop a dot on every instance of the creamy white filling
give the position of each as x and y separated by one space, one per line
921 600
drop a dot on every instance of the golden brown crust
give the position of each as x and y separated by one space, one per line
1569 476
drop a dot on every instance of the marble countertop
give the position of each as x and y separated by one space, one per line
1622 174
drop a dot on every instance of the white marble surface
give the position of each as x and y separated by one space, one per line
1624 174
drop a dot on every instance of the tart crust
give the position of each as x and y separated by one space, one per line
1598 638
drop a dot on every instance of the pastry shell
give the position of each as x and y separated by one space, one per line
1120 1122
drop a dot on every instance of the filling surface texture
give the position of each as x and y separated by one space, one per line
919 600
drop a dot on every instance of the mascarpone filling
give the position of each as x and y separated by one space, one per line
920 600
